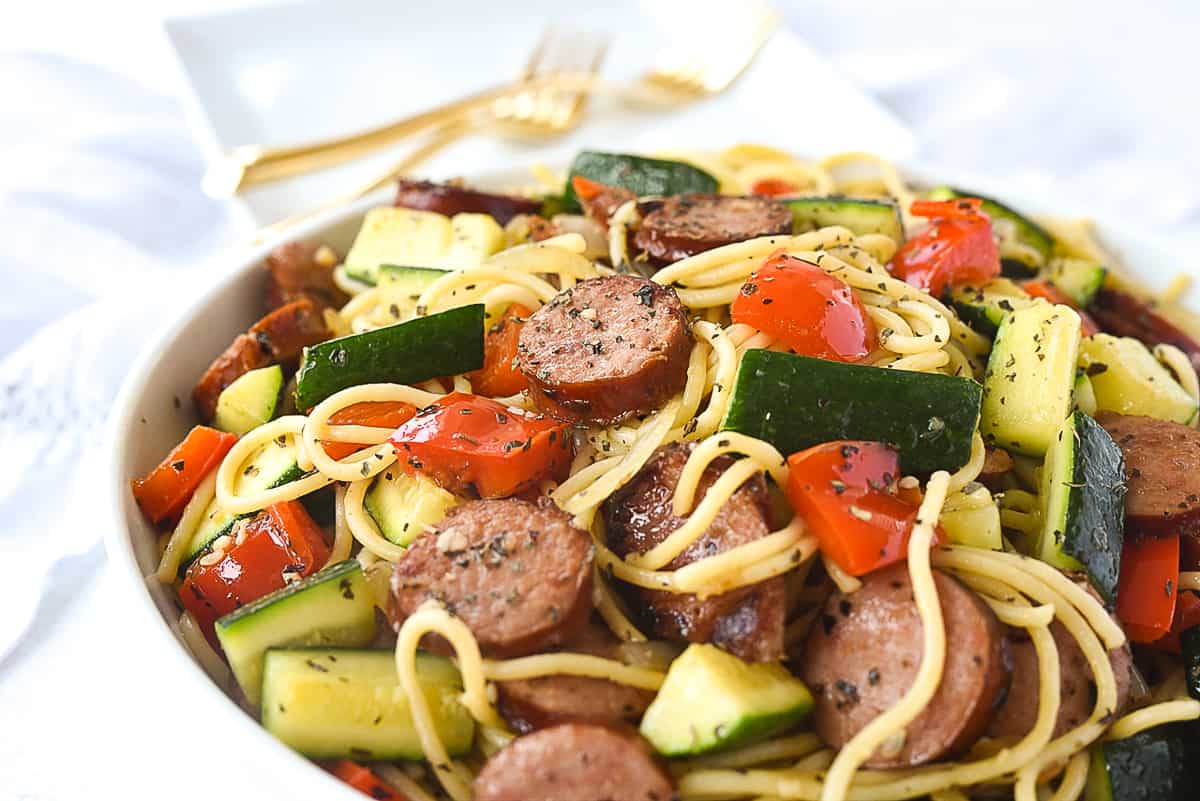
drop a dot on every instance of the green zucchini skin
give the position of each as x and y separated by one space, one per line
1154 765
446 343
1190 641
795 402
1027 231
860 215
1085 503
643 176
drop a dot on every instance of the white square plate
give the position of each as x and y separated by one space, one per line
285 73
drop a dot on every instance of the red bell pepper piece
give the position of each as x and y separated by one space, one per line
1149 586
379 414
773 187
807 309
280 543
476 447
845 491
1048 291
363 779
164 492
956 248
499 377
586 188
1187 615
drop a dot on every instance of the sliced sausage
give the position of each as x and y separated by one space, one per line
531 704
287 331
450 199
604 204
863 655
689 224
607 349
277 338
996 465
1162 474
1019 711
242 356
519 574
574 762
303 270
1124 315
747 621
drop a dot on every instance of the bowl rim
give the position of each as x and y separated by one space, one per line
118 539
118 536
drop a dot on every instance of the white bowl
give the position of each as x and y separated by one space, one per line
147 422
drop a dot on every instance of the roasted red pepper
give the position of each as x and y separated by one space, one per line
1149 586
164 492
1187 615
956 248
476 447
378 414
280 544
774 187
363 779
498 377
846 493
807 309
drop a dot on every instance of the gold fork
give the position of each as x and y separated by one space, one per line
531 112
728 43
249 165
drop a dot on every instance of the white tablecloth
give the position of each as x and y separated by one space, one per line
99 208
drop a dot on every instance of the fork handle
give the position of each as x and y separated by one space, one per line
249 165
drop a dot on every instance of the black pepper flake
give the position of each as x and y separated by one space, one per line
873 676
177 466
645 295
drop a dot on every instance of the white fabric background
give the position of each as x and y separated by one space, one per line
99 209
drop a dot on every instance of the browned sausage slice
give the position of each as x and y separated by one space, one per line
303 270
243 355
1121 314
996 465
605 203
519 574
864 652
689 224
1018 713
606 349
1162 473
277 338
574 762
450 199
287 331
748 621
531 704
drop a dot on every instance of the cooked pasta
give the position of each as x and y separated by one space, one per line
657 474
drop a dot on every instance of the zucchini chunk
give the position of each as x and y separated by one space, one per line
1189 640
404 506
249 401
1080 279
272 465
446 343
642 176
712 700
1027 388
1154 765
333 606
795 402
1085 396
1034 243
984 308
973 519
400 287
331 703
421 238
1126 378
1083 504
860 215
